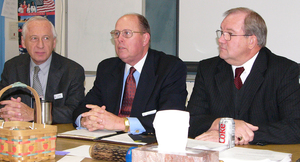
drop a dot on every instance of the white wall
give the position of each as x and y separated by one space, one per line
60 25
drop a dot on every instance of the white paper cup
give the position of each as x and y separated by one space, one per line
171 130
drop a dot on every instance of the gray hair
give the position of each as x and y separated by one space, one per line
254 24
37 18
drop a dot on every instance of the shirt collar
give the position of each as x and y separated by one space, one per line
138 66
247 65
44 66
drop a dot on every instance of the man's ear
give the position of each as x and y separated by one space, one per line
23 42
146 39
54 43
252 41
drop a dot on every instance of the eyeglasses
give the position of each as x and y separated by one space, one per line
227 36
127 33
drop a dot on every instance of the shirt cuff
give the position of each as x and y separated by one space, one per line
135 126
77 122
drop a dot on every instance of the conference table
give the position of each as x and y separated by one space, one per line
68 143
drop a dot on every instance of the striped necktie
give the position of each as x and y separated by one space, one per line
36 81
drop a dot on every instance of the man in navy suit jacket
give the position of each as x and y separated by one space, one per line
160 79
266 109
62 79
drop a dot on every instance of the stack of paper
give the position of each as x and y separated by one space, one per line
239 154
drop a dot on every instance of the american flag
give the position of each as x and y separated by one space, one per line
49 6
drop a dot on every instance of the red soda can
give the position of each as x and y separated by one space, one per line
227 132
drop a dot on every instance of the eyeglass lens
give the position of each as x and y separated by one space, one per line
125 33
226 35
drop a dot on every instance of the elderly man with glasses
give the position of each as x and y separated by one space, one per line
131 88
248 83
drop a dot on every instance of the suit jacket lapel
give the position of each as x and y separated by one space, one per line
253 81
23 71
225 84
54 77
114 87
145 86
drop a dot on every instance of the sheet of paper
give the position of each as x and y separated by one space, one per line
206 145
238 154
123 138
71 158
80 151
83 133
10 9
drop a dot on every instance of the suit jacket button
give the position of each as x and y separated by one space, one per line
137 131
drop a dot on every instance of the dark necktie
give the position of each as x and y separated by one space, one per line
36 81
129 93
237 79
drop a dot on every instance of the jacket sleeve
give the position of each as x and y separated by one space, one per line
198 106
287 129
75 93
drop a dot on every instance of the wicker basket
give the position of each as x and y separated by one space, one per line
25 141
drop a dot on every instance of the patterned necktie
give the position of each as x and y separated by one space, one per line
237 79
129 93
36 81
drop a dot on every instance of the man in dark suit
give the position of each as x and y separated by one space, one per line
266 108
160 82
62 80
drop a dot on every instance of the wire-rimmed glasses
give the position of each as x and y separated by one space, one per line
227 35
127 33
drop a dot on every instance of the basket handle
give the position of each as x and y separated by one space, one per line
35 94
